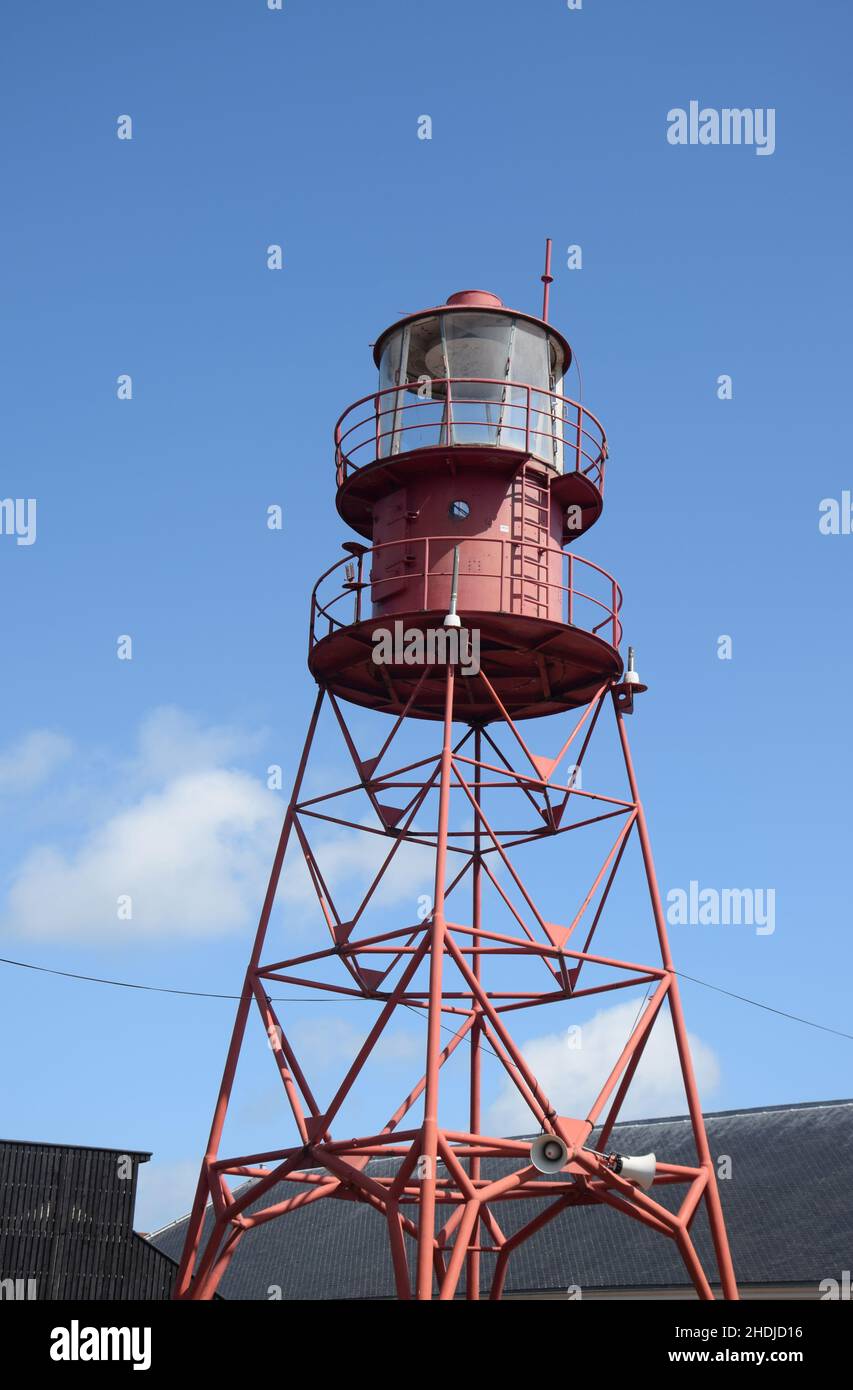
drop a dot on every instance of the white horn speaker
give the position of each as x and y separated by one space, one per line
639 1170
548 1153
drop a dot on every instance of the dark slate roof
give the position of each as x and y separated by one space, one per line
143 1155
787 1206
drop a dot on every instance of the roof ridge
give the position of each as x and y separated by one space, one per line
143 1154
745 1110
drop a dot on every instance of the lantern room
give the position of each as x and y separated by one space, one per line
495 377
469 384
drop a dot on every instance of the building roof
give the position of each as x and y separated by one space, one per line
787 1207
66 1224
143 1155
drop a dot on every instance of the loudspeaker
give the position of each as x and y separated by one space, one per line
639 1170
548 1153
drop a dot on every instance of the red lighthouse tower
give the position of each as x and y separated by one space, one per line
468 476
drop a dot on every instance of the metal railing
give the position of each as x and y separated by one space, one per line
449 411
518 591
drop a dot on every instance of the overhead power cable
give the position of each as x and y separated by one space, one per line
326 999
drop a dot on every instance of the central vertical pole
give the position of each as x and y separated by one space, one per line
472 1265
429 1144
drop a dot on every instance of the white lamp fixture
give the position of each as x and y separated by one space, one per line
632 675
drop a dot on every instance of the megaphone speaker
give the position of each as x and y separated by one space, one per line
638 1170
548 1153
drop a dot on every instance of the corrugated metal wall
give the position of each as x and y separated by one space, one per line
66 1221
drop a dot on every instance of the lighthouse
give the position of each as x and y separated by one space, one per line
470 456
464 616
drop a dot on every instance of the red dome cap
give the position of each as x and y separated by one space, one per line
476 299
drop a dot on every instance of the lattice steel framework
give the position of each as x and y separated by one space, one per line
439 1206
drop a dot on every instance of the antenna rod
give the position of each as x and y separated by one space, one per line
452 617
546 279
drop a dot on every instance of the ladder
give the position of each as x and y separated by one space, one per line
529 540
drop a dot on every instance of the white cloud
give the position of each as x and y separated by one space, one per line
571 1077
349 860
192 857
333 1040
27 764
171 742
191 845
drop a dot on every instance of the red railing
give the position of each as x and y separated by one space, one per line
400 419
518 592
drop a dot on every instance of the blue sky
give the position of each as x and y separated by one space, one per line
148 257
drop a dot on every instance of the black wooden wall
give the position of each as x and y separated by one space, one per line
66 1226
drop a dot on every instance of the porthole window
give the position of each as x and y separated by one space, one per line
459 510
